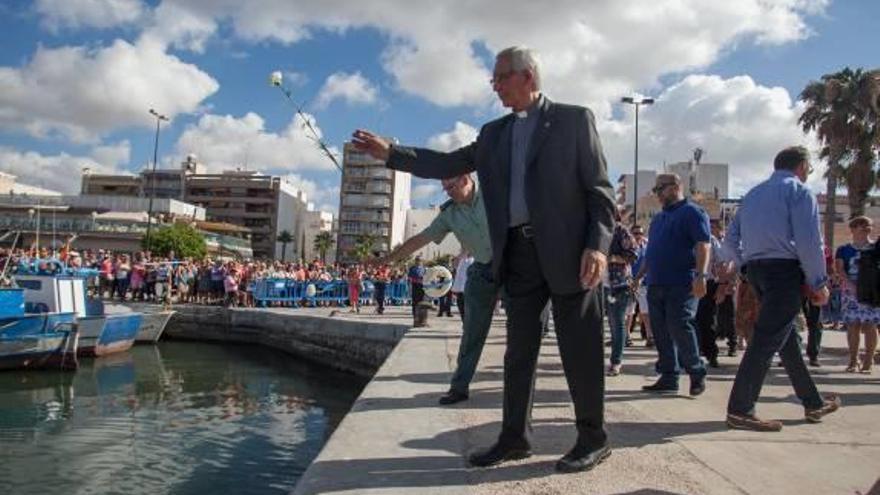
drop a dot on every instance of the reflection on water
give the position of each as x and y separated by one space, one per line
173 418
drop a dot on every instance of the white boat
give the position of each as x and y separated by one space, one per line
153 326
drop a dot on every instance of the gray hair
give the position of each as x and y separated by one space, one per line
523 58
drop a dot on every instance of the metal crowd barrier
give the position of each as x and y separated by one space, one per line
287 292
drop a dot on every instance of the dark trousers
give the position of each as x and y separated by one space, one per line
445 304
778 285
418 294
482 294
726 321
460 302
379 294
672 312
707 311
578 319
814 328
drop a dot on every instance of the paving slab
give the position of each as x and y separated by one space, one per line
397 439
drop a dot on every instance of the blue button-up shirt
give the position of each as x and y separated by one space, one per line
779 219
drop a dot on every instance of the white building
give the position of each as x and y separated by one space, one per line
373 201
293 205
9 185
625 186
315 222
710 179
417 219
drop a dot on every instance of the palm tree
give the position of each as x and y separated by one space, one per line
844 110
323 242
284 238
363 246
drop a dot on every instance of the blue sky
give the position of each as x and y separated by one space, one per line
77 78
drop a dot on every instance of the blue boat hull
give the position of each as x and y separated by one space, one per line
120 330
38 341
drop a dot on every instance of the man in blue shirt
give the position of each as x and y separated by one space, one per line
676 264
775 234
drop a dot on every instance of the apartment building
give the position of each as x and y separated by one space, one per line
373 200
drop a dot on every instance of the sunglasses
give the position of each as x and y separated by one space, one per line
660 187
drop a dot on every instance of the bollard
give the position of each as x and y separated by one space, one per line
420 317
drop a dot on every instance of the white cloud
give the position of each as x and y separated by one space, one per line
325 196
426 192
593 51
224 142
88 13
351 88
735 120
83 93
113 154
460 135
60 172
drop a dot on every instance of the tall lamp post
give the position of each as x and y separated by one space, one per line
636 102
159 119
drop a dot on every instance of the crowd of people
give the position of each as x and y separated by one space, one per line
143 277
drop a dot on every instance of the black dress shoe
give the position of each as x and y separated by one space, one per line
698 386
713 362
661 388
452 397
582 459
499 453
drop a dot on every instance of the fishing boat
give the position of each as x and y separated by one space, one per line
35 341
153 326
51 287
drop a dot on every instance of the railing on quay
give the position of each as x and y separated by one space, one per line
288 292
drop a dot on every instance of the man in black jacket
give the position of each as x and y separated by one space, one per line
550 210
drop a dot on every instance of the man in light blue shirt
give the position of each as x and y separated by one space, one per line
775 234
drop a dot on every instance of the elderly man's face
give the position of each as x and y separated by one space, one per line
514 88
458 188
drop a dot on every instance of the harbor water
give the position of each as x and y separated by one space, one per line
178 417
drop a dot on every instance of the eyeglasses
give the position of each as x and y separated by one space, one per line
500 78
660 187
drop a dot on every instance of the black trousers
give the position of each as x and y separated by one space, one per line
814 328
726 319
459 301
707 310
418 295
445 305
578 319
380 296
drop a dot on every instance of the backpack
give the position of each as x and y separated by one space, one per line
868 282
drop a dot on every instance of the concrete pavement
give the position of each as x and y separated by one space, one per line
397 439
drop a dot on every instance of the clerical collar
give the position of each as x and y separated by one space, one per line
525 113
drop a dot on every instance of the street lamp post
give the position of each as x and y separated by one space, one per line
637 102
159 119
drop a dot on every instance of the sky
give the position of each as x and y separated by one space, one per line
78 77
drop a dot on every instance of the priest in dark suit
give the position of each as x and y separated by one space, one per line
550 209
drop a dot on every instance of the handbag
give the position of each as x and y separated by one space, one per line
868 281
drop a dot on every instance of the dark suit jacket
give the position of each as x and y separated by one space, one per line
569 198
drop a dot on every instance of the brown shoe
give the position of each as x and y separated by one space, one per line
751 422
832 403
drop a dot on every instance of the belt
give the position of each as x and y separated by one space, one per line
524 230
774 261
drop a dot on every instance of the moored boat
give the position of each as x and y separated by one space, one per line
103 332
35 341
153 326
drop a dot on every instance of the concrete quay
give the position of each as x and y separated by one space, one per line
398 440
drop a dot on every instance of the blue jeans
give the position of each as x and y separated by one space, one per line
778 285
673 309
617 300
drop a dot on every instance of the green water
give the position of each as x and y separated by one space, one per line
173 418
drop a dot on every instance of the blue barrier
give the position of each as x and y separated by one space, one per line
289 292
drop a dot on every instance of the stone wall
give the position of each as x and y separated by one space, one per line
355 346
